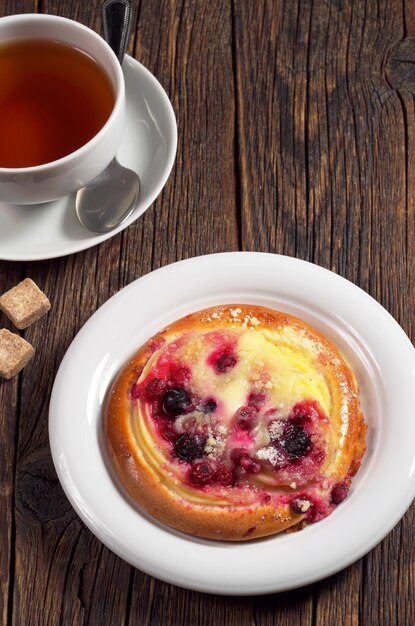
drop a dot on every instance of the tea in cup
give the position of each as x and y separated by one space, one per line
62 107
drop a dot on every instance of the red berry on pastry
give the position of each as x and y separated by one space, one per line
179 375
237 454
155 388
225 362
224 475
169 432
246 417
135 392
202 473
256 400
249 464
340 491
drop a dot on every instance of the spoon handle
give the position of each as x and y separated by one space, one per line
116 16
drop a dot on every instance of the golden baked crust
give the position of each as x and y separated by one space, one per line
236 422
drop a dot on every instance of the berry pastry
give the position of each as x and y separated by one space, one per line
236 422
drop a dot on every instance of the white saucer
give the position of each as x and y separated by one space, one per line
30 233
380 353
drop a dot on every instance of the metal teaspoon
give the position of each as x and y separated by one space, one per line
110 198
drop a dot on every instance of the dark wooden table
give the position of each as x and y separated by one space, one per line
296 127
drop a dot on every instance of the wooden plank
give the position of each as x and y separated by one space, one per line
361 112
10 274
14 7
326 168
8 400
271 55
272 52
188 47
390 569
63 574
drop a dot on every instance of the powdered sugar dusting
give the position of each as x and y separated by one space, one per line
215 446
234 317
298 336
275 430
270 454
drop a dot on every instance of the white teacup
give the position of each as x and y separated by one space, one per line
42 183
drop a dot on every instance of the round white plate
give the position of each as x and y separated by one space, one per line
45 231
375 346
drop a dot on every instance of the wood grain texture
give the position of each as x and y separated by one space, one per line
58 563
10 274
9 429
296 135
326 175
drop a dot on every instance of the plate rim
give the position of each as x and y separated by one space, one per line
194 584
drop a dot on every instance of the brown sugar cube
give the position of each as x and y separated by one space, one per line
15 353
24 304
